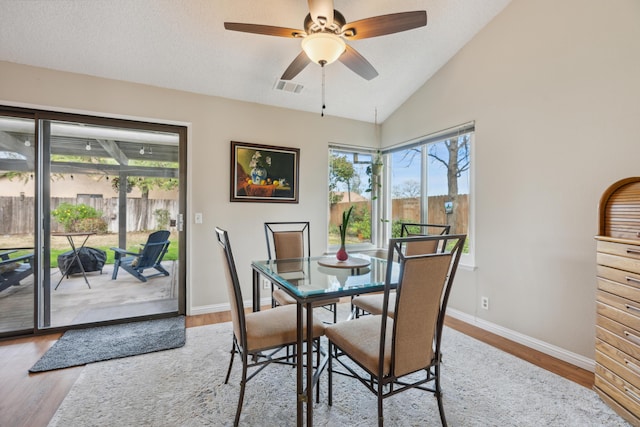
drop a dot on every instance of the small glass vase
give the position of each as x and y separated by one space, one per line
258 175
342 254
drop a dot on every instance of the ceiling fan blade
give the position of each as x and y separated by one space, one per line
298 64
356 62
384 24
322 9
267 30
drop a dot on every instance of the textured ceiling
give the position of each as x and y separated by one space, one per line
182 44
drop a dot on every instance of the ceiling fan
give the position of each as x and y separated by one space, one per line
325 32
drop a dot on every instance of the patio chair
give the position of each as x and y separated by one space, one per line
150 256
291 240
372 303
13 270
396 354
259 336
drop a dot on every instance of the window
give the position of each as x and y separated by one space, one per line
350 184
429 182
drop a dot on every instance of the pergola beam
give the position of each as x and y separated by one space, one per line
10 143
19 165
114 151
93 168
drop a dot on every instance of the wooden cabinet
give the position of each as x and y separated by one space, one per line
617 375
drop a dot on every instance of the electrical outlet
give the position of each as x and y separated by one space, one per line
484 303
266 284
198 218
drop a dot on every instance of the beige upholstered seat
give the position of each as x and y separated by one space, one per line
372 303
388 349
291 240
256 333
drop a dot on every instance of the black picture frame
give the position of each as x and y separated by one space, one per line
276 183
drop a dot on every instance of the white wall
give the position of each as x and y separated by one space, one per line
554 89
213 123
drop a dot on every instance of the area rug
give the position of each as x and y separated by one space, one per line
482 386
82 346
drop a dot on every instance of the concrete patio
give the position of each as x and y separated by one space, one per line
74 303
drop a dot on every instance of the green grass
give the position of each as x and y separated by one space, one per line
171 255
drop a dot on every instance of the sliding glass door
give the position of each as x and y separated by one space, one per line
110 188
109 196
17 189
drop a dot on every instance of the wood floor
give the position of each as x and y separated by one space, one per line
30 400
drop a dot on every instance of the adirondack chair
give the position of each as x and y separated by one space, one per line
149 257
13 270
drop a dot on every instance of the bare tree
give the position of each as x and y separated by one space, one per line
456 163
407 190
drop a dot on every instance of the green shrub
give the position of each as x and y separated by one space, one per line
162 218
396 226
91 225
70 215
361 224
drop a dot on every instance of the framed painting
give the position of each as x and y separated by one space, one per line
264 173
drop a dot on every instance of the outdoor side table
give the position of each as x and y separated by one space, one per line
75 251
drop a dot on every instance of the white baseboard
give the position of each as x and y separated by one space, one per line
546 348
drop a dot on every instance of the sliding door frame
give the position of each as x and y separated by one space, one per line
42 208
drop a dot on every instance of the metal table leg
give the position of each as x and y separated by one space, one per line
256 290
309 396
76 257
299 370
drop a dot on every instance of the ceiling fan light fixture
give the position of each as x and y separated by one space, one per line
323 48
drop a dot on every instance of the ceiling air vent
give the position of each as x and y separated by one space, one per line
288 86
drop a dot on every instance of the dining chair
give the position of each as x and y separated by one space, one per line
409 229
291 240
259 337
394 354
372 303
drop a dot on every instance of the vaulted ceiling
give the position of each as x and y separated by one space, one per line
182 44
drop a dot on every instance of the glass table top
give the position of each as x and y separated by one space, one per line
306 278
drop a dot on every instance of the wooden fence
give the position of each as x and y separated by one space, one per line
409 210
17 213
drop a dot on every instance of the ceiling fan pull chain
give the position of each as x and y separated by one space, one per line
323 103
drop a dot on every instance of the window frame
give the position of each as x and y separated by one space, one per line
375 201
467 259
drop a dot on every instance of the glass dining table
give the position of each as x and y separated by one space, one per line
311 280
